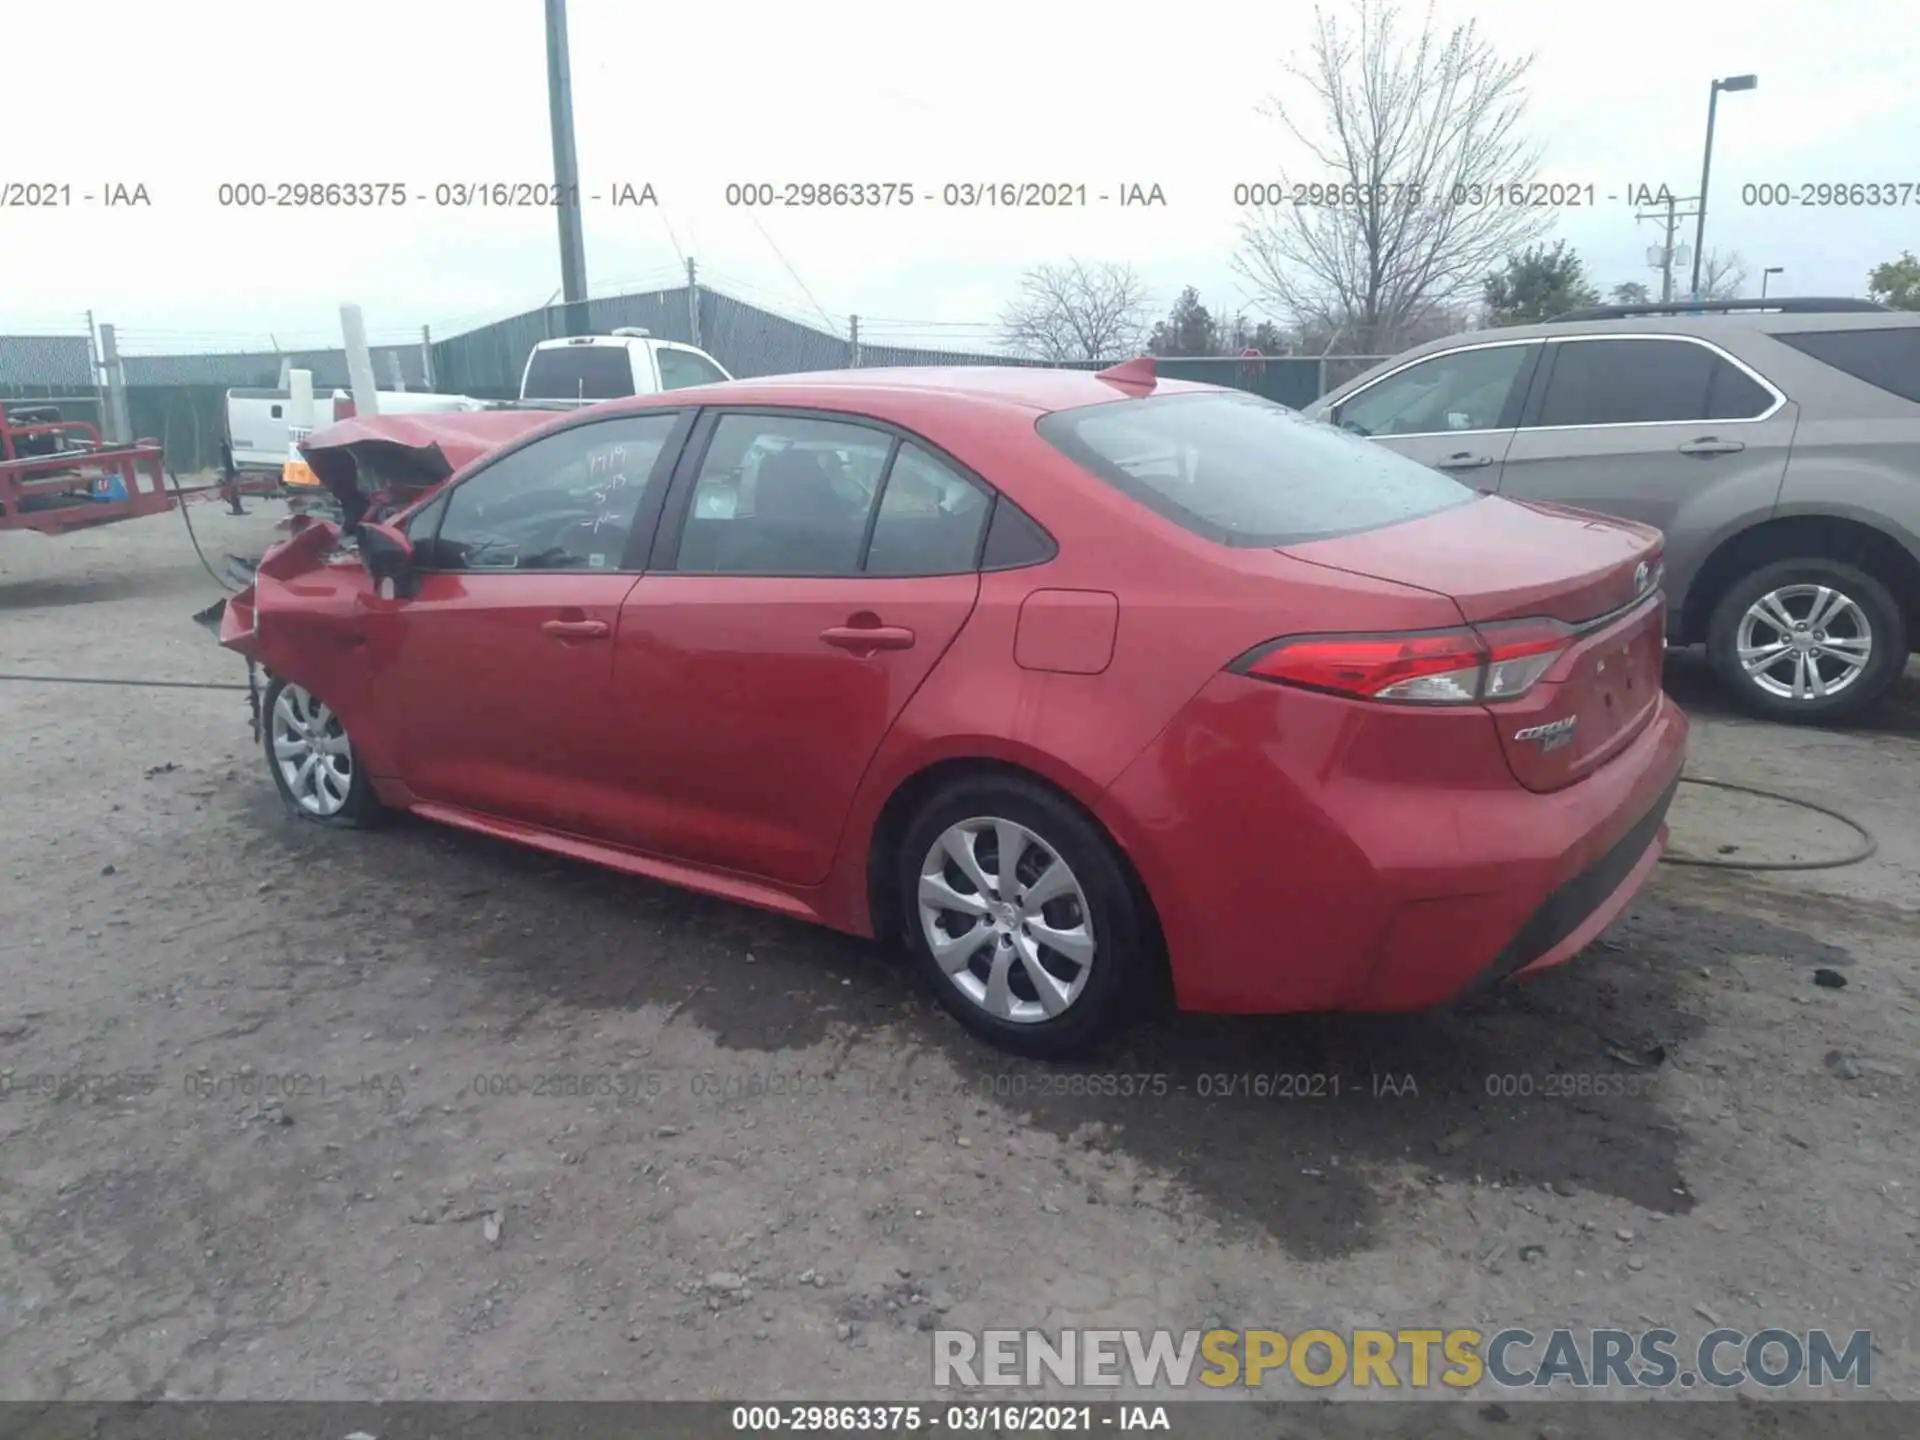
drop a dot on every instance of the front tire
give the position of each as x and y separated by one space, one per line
1021 917
1807 641
312 759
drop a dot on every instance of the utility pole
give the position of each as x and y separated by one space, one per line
693 305
1670 217
426 357
566 170
853 342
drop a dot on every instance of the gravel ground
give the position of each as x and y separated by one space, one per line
762 1162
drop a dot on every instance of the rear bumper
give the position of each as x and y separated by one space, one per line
1573 916
1300 859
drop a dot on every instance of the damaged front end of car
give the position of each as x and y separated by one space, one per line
370 469
355 471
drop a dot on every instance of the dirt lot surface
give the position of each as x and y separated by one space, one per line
295 1114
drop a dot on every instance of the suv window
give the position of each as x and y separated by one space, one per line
681 368
1459 390
579 372
931 519
783 495
1241 470
1887 359
566 502
1644 381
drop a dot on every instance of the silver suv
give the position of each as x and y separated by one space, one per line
1777 443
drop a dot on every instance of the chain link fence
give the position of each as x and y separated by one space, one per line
751 341
181 399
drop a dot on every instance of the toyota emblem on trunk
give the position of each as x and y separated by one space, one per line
1640 574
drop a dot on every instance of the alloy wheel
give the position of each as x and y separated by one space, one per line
1007 920
1804 642
312 751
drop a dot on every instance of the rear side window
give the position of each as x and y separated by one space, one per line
1645 382
681 368
1243 471
1886 359
579 372
930 519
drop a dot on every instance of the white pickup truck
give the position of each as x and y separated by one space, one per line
559 374
586 369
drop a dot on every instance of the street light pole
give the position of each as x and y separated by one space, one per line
1770 270
1734 82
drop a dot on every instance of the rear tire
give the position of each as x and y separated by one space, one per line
312 760
1043 957
1791 630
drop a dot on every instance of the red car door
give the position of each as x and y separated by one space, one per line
757 670
494 681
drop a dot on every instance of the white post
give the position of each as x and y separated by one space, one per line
353 329
300 398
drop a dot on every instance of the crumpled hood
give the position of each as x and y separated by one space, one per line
394 459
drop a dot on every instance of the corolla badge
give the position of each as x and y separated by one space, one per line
1552 735
1641 575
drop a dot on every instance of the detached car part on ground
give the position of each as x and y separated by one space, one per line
1087 688
1777 449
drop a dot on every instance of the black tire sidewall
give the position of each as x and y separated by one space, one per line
362 805
1117 985
1888 660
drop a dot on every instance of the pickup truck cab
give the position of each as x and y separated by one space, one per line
585 369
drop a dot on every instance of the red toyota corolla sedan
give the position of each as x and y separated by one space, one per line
1076 683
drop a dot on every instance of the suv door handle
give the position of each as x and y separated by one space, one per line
868 638
1711 446
1463 461
576 629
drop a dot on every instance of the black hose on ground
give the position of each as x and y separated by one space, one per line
205 564
103 680
1867 847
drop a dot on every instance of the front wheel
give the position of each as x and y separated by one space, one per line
1809 641
1022 917
312 760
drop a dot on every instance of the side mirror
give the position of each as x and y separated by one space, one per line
388 556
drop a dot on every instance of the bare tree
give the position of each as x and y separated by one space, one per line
1722 277
1418 147
1078 311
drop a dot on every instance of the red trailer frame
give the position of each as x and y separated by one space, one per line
58 493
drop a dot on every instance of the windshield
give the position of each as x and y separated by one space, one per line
1243 471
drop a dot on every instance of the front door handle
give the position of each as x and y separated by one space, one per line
864 639
1711 446
1463 461
576 629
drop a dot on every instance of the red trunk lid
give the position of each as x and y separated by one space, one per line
1499 559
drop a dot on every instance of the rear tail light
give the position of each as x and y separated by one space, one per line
342 408
1423 667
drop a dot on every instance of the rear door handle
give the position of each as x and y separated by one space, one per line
1463 461
1711 446
867 638
576 629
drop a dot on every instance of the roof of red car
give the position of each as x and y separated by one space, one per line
464 436
1028 387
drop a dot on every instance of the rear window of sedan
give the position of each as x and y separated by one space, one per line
1243 471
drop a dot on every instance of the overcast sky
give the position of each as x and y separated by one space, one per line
182 97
